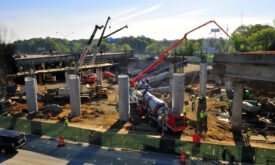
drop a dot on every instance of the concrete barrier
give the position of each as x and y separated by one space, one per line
142 142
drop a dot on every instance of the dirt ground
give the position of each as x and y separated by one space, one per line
101 114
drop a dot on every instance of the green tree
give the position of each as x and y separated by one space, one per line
254 38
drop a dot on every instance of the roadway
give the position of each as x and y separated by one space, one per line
45 151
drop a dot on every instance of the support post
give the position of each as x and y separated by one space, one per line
228 88
124 102
178 92
67 75
99 75
203 82
237 106
31 93
75 101
171 72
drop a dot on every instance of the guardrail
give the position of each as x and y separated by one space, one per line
142 142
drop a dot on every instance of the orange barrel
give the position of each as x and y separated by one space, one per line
182 157
61 141
194 138
198 139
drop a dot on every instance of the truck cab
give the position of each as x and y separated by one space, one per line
175 121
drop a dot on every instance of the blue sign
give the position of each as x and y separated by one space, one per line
111 40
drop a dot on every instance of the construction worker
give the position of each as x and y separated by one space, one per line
193 103
73 63
201 116
60 65
66 121
43 66
248 134
184 111
189 89
20 69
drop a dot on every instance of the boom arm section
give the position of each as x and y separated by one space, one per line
155 64
86 50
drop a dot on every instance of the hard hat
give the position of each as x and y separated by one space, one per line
249 129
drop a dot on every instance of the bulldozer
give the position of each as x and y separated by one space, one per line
100 91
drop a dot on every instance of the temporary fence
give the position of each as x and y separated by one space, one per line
142 142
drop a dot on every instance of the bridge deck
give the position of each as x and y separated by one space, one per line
83 67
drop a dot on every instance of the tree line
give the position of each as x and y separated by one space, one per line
244 38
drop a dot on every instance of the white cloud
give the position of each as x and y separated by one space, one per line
145 11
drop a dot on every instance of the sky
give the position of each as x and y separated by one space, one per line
157 19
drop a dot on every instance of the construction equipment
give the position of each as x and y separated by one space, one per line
161 117
101 92
161 58
90 79
102 37
86 50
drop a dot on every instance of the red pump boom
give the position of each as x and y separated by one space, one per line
155 64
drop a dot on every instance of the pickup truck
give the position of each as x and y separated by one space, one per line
10 140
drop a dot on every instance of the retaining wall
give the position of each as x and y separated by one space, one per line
142 142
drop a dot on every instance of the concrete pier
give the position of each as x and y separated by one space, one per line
203 79
228 88
237 106
171 72
99 75
31 93
178 92
124 102
75 101
67 76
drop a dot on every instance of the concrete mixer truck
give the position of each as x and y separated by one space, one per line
159 113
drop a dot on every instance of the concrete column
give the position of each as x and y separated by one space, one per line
99 75
178 92
228 88
67 75
124 102
171 72
237 106
31 93
203 79
75 101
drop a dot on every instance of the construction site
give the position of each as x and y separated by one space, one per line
169 97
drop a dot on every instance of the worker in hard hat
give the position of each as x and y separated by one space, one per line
248 134
60 65
20 68
201 116
43 66
189 88
66 121
73 63
193 103
185 111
